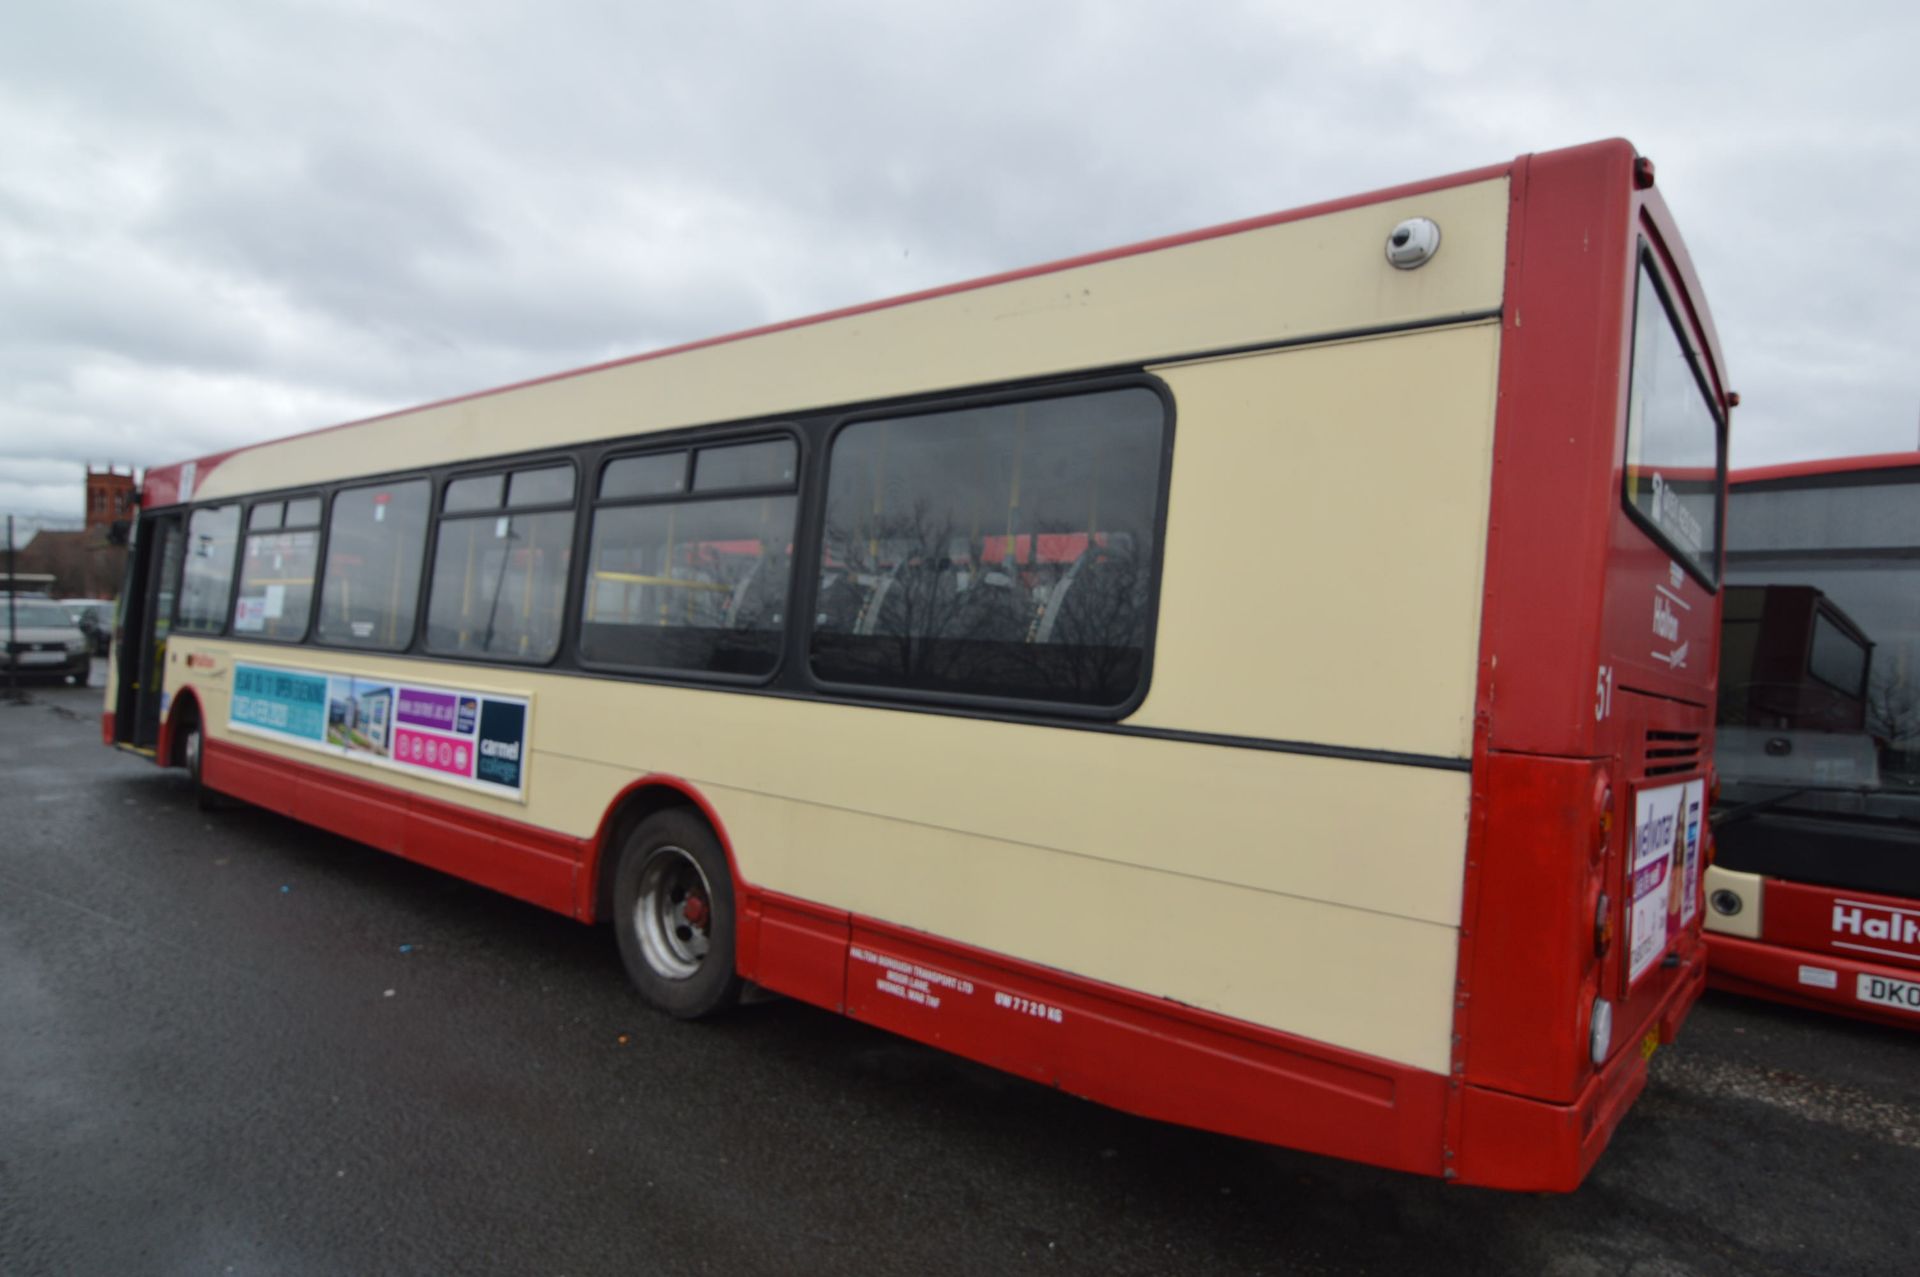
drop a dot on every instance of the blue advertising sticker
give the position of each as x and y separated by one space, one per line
284 702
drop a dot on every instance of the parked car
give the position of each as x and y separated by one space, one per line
95 619
39 640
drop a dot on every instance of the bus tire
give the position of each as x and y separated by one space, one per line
673 912
193 753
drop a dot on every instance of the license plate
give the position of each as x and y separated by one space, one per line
43 658
1649 1044
1885 991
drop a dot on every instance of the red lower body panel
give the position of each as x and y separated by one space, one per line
1140 1054
536 865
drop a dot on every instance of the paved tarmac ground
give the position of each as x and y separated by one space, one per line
231 1044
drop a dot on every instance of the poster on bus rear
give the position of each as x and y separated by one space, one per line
476 740
1664 876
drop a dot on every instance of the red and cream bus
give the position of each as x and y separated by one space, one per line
1260 679
1815 895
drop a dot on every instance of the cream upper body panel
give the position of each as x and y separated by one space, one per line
1327 541
1278 283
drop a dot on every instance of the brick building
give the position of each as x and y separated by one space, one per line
110 495
86 564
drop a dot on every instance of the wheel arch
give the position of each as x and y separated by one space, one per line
642 798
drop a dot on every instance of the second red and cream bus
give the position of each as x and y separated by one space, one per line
1815 896
1260 679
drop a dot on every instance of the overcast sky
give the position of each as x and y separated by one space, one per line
220 223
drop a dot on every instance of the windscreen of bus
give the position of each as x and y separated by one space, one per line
1673 436
1820 656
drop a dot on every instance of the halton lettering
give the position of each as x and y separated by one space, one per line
1870 923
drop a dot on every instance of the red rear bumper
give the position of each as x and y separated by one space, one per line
1508 1141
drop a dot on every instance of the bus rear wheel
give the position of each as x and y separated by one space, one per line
673 912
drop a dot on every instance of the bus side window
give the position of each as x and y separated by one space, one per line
499 578
376 546
212 539
277 569
692 580
998 551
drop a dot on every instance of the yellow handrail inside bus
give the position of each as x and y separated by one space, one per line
635 578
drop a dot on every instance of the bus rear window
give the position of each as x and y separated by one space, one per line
1673 437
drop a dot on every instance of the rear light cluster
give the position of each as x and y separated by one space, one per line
1603 820
1600 1016
1600 1031
1603 903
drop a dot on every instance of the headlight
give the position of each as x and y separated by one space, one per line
77 646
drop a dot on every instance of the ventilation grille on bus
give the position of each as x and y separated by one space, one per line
1669 753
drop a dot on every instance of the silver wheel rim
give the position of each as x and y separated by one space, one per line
193 754
673 913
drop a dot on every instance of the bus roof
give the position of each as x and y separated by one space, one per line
1824 466
163 484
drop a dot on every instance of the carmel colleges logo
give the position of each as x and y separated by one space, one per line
1875 928
503 727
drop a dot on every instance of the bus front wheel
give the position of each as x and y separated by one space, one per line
193 755
674 915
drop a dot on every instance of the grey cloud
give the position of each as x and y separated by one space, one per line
219 224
